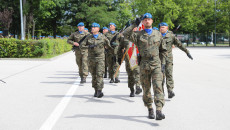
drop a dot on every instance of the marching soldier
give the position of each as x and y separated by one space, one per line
95 44
133 73
150 45
105 30
170 39
112 54
81 56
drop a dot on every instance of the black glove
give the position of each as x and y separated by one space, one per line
114 59
162 68
119 61
138 21
189 56
128 23
139 59
124 51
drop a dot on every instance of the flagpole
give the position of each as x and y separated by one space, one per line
121 62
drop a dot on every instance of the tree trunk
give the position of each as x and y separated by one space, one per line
207 39
229 38
54 28
33 29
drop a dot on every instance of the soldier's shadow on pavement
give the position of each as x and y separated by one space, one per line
127 118
60 82
89 98
120 97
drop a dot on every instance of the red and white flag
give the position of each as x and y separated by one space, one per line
133 51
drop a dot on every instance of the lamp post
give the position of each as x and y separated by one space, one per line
215 24
22 32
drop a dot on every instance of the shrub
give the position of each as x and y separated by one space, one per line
32 48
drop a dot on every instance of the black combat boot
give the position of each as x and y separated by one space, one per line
99 94
151 114
138 90
111 81
105 75
83 80
95 93
171 94
117 80
132 92
159 115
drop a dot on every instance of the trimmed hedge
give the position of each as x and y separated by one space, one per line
32 48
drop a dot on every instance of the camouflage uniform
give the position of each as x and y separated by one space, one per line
150 66
112 55
96 57
106 63
133 74
1 36
81 56
170 39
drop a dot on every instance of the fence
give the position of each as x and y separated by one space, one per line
204 39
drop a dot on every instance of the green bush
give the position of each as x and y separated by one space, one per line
33 48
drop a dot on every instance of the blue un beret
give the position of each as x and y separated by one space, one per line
105 28
95 25
112 24
147 15
0 31
162 24
86 28
155 28
81 24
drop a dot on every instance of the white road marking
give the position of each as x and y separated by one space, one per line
55 115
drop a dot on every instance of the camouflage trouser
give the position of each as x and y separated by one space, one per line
133 75
106 62
81 60
112 66
96 68
154 75
168 75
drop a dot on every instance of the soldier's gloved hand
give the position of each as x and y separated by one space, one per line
162 68
128 23
119 61
124 51
138 21
189 56
115 44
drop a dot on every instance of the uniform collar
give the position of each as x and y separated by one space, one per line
95 35
81 32
149 31
164 34
146 34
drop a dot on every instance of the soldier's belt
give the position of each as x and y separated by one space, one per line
147 58
92 46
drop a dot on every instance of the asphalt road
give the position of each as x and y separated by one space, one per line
46 94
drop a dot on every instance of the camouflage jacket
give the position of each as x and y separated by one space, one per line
76 37
95 47
149 46
170 39
118 40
